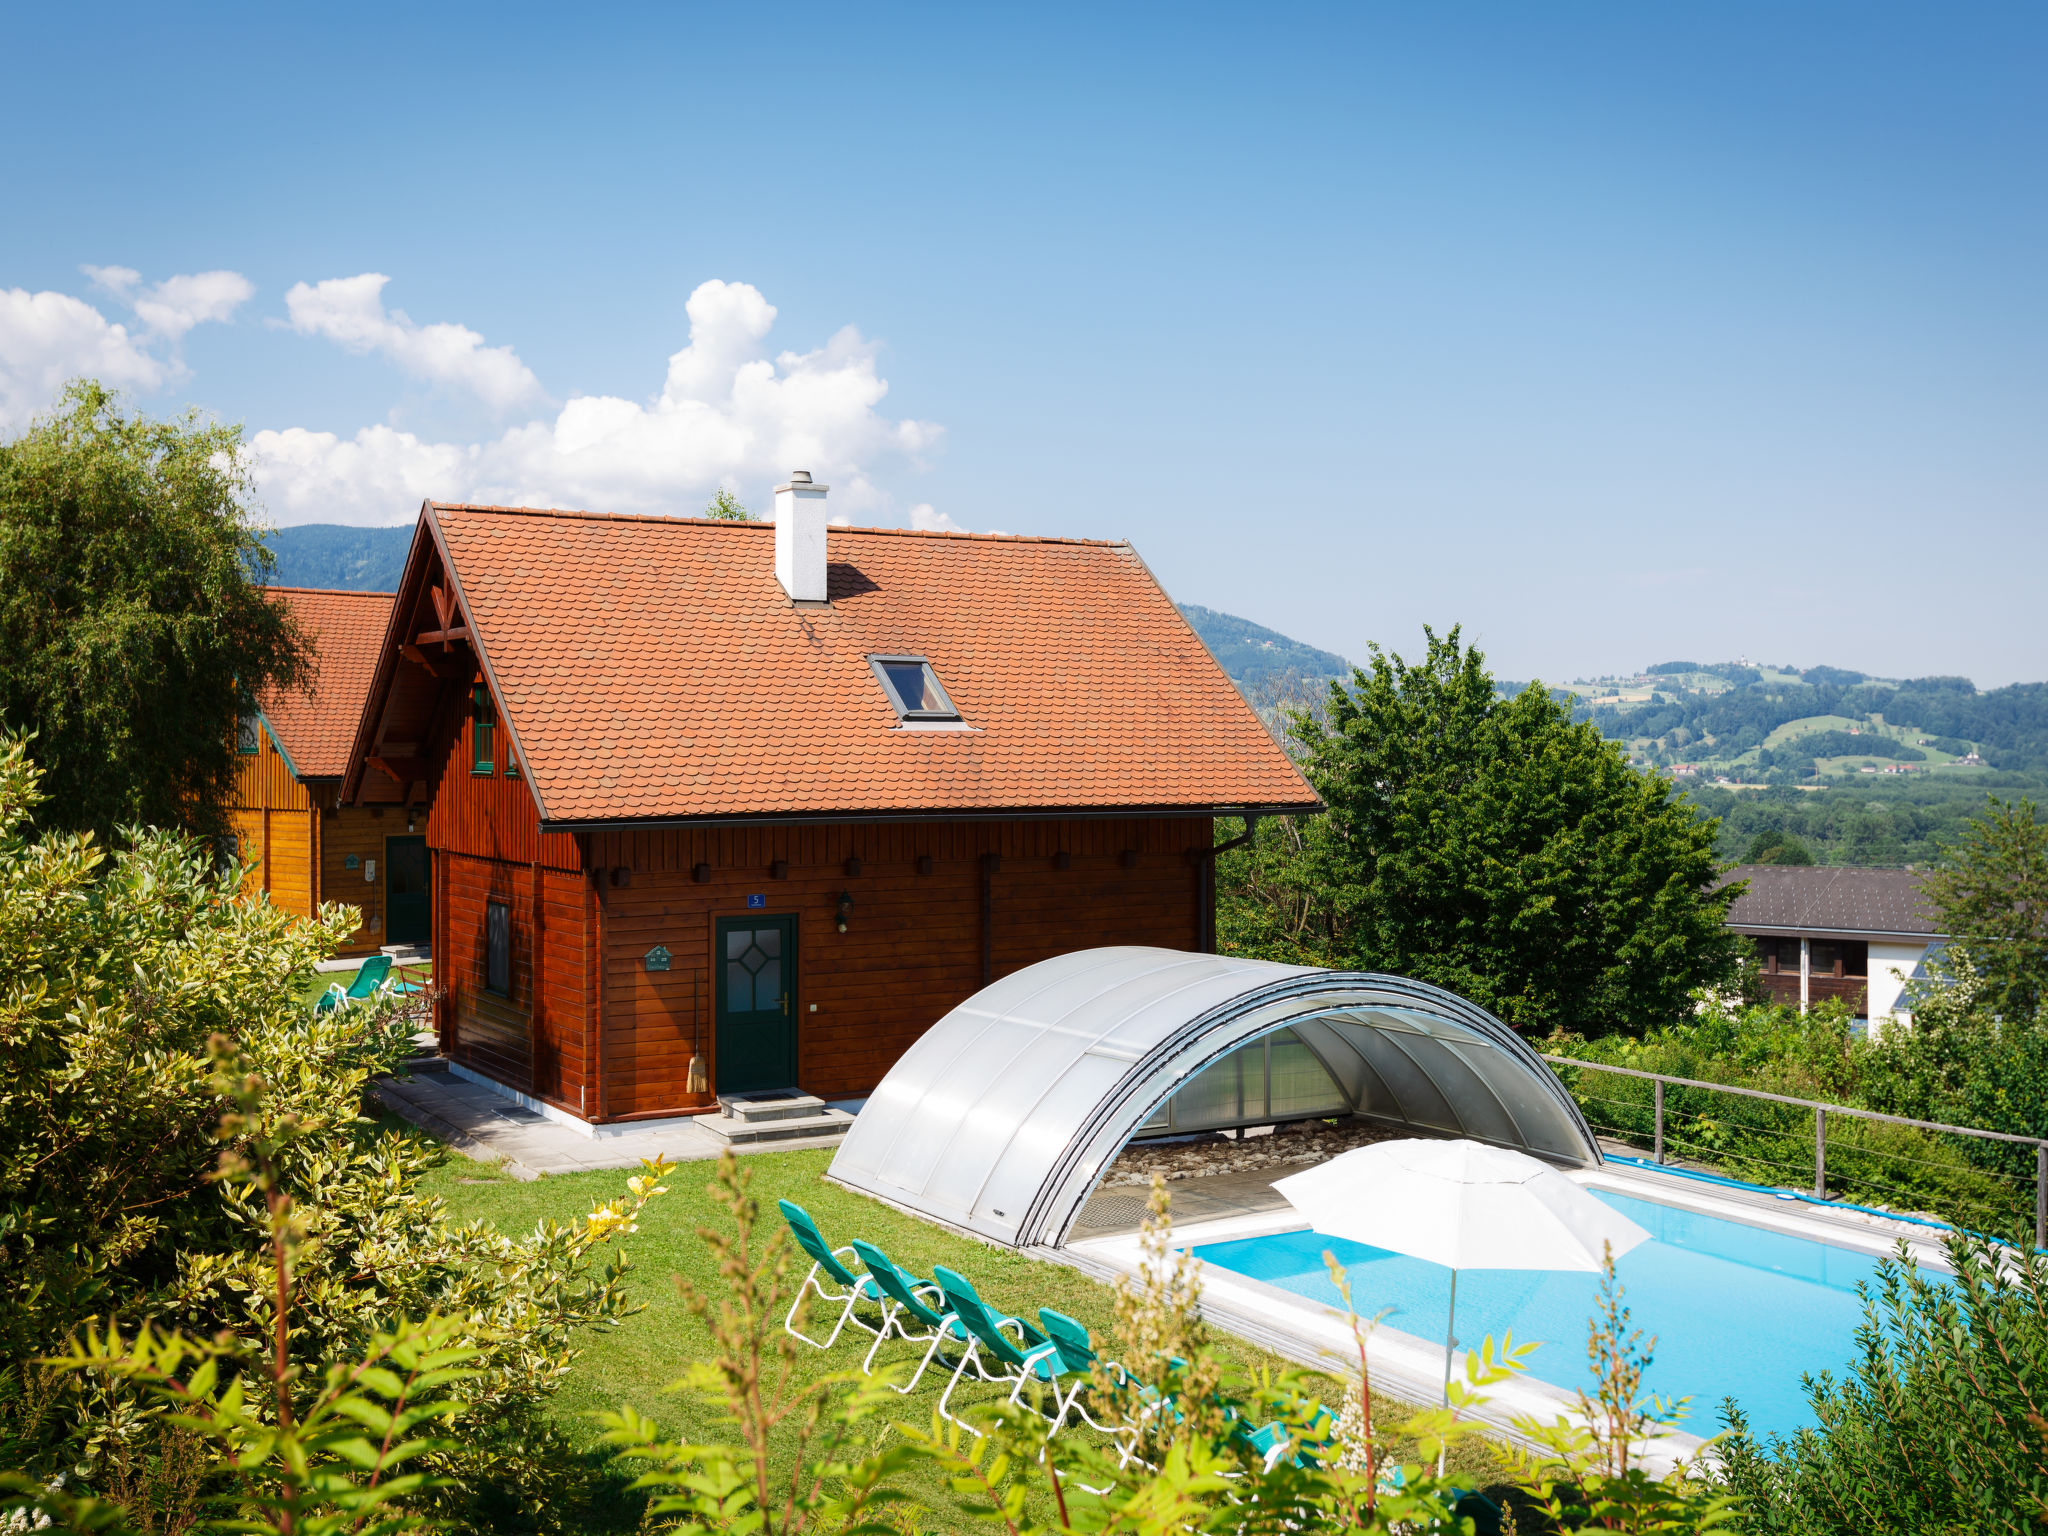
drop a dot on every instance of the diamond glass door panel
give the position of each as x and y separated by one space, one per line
756 1004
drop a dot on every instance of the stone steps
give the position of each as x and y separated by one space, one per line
745 1119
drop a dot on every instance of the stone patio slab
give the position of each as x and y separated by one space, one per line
489 1127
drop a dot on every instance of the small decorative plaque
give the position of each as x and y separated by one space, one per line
757 901
657 958
351 862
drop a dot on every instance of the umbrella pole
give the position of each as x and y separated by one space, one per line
1450 1340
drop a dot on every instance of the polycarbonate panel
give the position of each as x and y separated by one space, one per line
1003 1116
1301 1087
1217 1096
1538 1121
1478 1108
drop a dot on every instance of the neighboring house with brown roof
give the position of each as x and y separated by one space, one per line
729 808
305 846
1856 934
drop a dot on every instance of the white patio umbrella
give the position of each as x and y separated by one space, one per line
1462 1205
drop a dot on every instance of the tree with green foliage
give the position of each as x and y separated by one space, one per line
184 1151
1494 848
1774 847
133 626
1990 897
727 508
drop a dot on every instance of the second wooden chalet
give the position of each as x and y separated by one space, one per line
724 808
306 848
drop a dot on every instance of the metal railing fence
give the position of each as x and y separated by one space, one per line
1822 1113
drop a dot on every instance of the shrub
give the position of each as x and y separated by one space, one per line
1941 1424
153 1047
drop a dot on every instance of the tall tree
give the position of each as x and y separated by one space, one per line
133 627
1991 895
1493 847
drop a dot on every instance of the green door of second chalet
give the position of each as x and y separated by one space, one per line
408 891
756 1004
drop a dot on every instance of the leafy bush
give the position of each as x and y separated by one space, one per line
1818 1056
152 1049
1940 1426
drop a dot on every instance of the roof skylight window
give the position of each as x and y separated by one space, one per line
913 688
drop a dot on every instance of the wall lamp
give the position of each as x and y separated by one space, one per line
845 908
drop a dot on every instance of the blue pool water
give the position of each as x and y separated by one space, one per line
1737 1311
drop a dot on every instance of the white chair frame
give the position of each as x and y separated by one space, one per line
863 1289
1016 1379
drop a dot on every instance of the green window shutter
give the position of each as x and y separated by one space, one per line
483 722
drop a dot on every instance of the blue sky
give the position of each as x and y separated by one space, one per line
1617 334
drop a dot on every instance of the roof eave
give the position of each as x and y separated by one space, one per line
956 813
1815 930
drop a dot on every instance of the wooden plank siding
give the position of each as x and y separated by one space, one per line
587 1027
487 815
300 842
483 831
272 816
913 948
358 830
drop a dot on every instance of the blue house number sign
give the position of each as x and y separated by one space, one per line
757 901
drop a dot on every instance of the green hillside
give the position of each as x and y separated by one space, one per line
340 558
1255 656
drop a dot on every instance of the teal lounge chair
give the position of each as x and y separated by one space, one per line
854 1289
1073 1356
903 1300
1273 1442
1016 1361
369 981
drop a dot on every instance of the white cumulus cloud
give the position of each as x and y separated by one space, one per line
177 304
350 312
48 337
728 414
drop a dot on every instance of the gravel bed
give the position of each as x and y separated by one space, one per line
1306 1141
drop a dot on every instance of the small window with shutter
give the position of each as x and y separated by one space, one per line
483 730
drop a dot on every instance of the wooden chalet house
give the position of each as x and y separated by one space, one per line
726 808
289 821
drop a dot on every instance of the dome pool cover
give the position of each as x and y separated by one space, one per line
1004 1115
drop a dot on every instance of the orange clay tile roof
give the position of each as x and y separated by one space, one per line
318 730
653 668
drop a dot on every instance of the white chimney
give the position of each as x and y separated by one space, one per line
800 537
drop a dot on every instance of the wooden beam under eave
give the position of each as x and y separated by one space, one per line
403 771
414 653
446 637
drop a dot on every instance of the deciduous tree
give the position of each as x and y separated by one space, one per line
133 626
1493 847
1991 897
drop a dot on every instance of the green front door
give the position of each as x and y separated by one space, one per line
756 1003
408 892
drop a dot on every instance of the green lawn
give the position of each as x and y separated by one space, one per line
636 1362
322 980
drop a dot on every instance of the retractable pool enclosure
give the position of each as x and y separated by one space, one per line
1004 1115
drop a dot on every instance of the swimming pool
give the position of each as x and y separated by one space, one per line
1737 1311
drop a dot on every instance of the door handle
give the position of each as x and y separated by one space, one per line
785 1005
